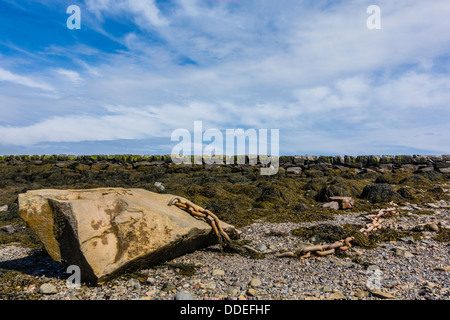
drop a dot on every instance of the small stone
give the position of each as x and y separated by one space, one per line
47 288
326 289
184 296
251 292
134 284
210 285
261 248
332 205
294 170
151 281
151 292
241 297
361 294
336 296
168 287
372 267
159 186
255 282
4 208
218 272
403 253
381 294
447 268
344 202
434 227
232 292
408 239
8 229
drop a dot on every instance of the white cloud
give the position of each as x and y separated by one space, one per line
314 72
70 75
147 14
8 76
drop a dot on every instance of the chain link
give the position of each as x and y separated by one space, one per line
202 213
345 244
306 252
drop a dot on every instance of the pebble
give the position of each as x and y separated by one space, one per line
232 292
255 282
168 287
8 229
381 294
410 270
4 208
47 288
184 296
210 285
134 284
434 227
337 296
251 292
218 272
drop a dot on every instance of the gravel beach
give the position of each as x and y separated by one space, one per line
406 269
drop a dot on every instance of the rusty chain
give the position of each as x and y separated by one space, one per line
345 244
204 214
306 252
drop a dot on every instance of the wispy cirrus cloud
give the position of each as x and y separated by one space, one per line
26 81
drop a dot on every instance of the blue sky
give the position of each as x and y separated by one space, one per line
139 69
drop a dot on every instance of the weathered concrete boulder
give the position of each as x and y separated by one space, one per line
107 231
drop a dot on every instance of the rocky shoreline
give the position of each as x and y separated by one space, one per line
408 269
409 261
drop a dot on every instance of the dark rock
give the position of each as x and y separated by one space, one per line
332 191
380 192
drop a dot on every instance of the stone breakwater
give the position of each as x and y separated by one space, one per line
288 164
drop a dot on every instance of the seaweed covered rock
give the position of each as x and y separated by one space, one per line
380 192
108 231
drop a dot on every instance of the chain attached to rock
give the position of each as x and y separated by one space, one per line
205 214
225 242
345 244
